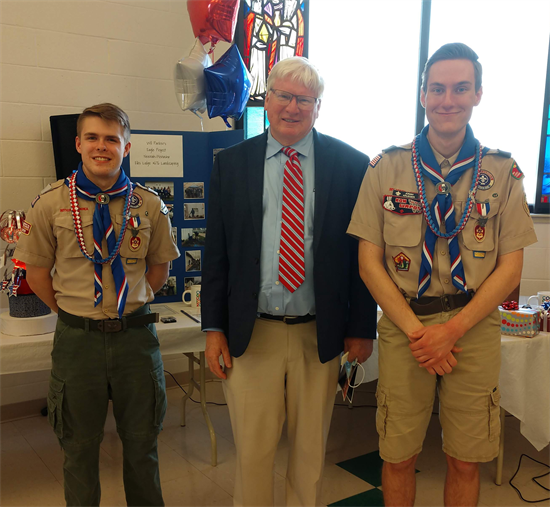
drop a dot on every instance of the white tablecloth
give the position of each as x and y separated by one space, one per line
524 376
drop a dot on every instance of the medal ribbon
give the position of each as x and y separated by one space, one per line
79 185
442 208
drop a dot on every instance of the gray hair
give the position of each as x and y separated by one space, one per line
300 70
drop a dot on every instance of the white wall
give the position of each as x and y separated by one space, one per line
536 260
60 57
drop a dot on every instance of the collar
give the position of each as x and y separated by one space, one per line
440 158
304 146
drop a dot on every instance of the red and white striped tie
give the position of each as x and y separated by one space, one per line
292 271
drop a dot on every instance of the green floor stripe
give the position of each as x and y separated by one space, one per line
372 498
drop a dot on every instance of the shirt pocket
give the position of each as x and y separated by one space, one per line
402 230
475 238
134 245
67 242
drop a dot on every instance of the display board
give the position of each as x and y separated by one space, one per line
178 165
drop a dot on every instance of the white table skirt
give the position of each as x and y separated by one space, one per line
524 376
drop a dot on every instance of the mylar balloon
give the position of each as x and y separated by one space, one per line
189 82
213 20
228 85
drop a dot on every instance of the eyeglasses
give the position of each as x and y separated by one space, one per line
302 101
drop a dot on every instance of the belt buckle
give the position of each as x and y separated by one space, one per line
110 326
446 303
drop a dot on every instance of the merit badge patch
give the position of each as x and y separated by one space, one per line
402 262
34 201
375 160
516 172
136 201
478 254
26 228
401 205
486 180
135 243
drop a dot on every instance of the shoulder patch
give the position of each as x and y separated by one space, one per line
375 160
52 186
145 188
516 172
163 208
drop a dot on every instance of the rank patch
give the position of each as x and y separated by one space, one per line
375 160
479 233
486 180
135 243
516 172
402 205
402 262
136 201
26 228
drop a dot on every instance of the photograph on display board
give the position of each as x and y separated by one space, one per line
175 234
193 190
168 289
170 207
165 189
191 280
193 237
193 211
193 260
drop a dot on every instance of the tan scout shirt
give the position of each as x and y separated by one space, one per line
51 240
400 231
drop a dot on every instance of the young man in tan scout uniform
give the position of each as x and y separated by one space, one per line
110 245
442 224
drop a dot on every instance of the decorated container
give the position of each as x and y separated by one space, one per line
520 322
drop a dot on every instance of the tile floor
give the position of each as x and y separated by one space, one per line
31 463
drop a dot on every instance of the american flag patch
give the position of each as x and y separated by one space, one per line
375 160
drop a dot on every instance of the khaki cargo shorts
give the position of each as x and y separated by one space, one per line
468 396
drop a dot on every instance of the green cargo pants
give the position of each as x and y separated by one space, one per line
88 369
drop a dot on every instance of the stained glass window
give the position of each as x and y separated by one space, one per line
273 30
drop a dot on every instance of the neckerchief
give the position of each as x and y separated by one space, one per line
103 228
442 205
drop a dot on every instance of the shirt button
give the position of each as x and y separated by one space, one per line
277 282
276 308
443 252
278 251
105 312
106 286
446 280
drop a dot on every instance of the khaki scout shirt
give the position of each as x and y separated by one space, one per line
50 240
400 232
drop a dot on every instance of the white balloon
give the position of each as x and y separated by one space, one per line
189 82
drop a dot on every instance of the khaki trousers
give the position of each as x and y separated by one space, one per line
280 374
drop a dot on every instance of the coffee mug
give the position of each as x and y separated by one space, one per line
194 300
542 297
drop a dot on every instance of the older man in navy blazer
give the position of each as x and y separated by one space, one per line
281 292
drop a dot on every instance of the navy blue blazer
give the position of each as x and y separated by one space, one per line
231 265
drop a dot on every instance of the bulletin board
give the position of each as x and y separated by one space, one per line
178 165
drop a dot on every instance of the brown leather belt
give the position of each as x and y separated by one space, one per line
446 303
107 325
302 319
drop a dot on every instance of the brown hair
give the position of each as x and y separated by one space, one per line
107 112
453 51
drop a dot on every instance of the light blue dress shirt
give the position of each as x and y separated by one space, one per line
273 297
